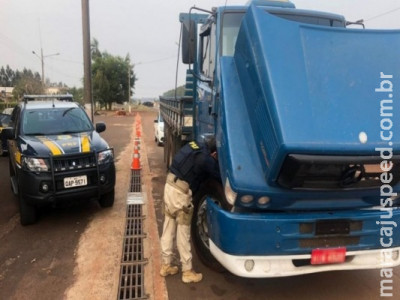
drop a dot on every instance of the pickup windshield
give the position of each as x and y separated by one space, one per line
55 121
231 23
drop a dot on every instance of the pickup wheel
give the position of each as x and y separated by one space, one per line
214 190
107 200
28 213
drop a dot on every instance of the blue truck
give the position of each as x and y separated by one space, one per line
304 110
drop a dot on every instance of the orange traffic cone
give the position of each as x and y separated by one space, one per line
135 162
137 143
136 149
138 133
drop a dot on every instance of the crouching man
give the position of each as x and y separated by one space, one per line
191 166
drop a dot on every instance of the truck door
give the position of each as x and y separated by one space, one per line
205 91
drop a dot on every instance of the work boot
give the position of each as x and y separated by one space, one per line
168 270
191 276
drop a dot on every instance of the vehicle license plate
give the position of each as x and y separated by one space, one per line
70 182
328 256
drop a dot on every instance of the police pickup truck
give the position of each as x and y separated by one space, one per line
56 154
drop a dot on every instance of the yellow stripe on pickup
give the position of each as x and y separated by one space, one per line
18 157
85 143
53 147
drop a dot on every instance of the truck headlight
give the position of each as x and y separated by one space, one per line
264 200
246 199
229 193
36 164
105 156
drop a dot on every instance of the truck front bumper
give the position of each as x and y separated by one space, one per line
285 265
280 243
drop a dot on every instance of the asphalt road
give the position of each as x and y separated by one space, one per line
43 261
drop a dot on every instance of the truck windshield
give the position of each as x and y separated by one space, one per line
55 121
231 23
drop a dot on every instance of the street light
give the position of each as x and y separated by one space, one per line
42 57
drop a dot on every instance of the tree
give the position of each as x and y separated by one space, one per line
3 78
27 84
94 49
180 91
77 94
9 77
110 77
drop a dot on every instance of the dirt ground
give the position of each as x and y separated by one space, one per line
98 259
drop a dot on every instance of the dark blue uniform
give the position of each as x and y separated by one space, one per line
194 164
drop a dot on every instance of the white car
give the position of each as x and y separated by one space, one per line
159 130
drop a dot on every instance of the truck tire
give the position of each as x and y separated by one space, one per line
28 213
107 200
199 228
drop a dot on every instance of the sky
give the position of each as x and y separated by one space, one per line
146 29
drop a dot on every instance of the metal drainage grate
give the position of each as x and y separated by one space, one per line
134 226
136 185
132 285
132 262
134 211
133 250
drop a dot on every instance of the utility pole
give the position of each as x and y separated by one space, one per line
42 57
87 59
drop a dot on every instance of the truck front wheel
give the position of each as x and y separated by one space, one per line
214 190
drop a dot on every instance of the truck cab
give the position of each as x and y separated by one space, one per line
294 99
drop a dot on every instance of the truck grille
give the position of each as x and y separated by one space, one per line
334 172
326 242
74 162
330 233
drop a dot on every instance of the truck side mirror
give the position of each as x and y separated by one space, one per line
100 127
188 41
8 133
